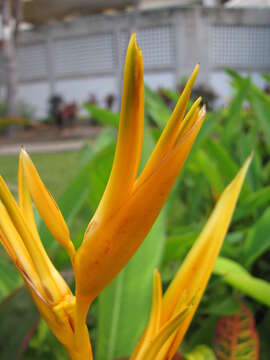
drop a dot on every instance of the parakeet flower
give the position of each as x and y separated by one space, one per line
131 201
130 204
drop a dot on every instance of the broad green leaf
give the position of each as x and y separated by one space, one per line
103 116
125 304
238 277
258 240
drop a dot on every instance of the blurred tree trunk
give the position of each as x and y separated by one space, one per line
10 35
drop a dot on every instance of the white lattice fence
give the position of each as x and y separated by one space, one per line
157 44
84 55
32 62
243 47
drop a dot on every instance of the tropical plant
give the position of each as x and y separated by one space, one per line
123 217
228 135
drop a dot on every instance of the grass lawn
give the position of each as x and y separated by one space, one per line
55 169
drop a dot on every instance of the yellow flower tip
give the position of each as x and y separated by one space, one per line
133 52
23 151
46 205
191 117
248 161
156 273
133 41
134 68
191 80
239 179
197 68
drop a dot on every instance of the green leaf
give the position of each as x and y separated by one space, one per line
252 203
177 246
201 352
155 108
261 107
204 333
124 305
18 318
9 276
99 171
210 171
103 116
227 166
209 125
232 123
227 306
258 239
238 277
173 95
266 77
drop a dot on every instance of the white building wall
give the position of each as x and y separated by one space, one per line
79 90
83 57
35 94
158 80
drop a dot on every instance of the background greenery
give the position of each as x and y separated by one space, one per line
242 272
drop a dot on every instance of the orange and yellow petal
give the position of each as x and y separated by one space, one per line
129 142
45 204
109 248
170 132
197 267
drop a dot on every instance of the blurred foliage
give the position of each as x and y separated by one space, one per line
5 123
26 112
243 271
